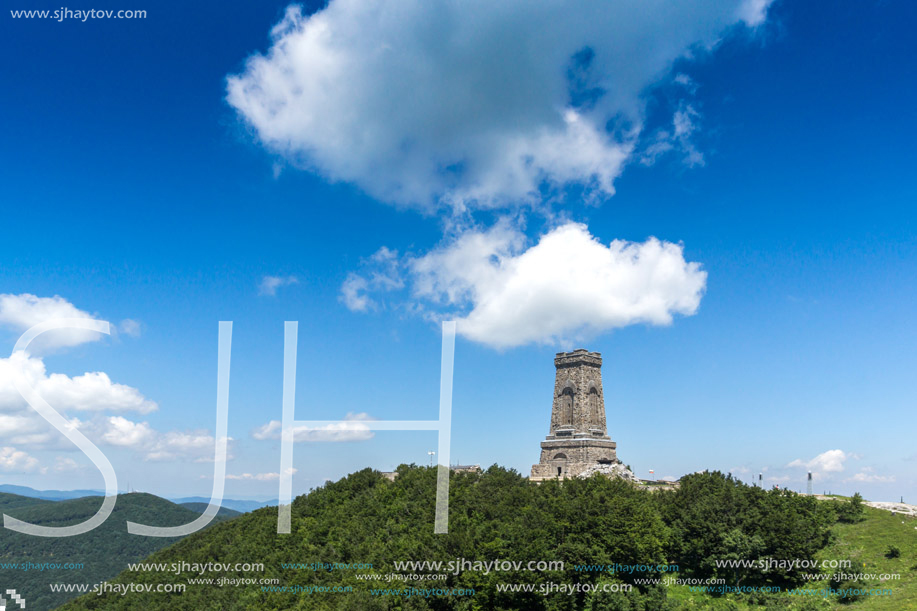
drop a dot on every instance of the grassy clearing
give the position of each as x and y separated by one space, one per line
867 544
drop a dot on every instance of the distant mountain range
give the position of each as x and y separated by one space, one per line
240 505
225 512
48 495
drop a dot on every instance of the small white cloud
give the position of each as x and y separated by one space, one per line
177 445
385 276
754 12
354 294
831 461
130 327
261 477
680 138
21 312
349 430
12 459
868 475
685 123
271 430
123 432
64 465
270 284
686 81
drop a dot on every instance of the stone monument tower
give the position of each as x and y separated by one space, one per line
578 439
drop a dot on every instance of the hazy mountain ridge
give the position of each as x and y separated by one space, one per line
103 552
240 505
224 512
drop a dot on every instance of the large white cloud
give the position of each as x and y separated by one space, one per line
471 103
20 312
565 288
92 391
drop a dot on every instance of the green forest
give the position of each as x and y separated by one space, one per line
500 515
102 552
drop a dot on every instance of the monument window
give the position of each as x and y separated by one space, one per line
566 407
594 407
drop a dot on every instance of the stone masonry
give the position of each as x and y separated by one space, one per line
578 438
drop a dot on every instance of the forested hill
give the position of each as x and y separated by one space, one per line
224 512
103 552
497 515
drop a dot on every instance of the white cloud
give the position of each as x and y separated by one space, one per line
831 461
567 287
354 293
470 104
350 430
685 81
21 312
123 432
270 284
154 445
63 464
680 138
271 430
26 429
685 123
865 476
178 445
385 276
130 327
261 477
12 459
92 391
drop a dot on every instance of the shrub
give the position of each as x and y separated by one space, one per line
851 511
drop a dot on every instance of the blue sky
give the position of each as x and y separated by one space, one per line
773 150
